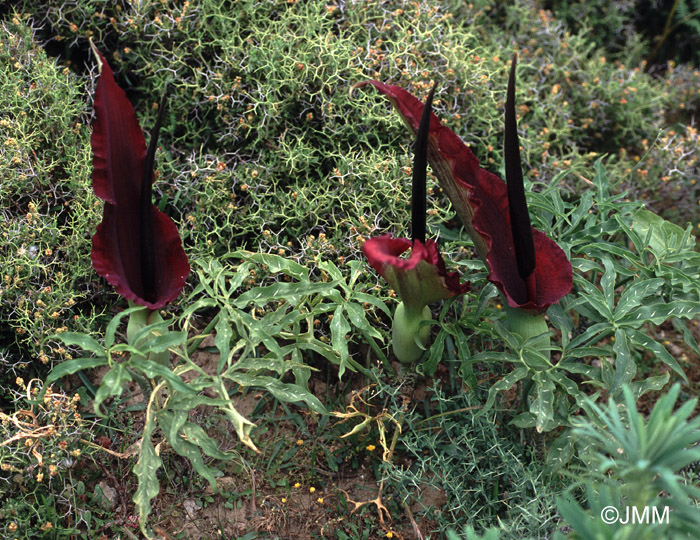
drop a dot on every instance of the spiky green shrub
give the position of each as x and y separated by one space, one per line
486 474
47 211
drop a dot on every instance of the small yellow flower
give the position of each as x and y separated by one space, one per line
299 442
389 534
297 485
312 489
284 499
370 448
319 500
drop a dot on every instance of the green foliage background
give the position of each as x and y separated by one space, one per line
264 147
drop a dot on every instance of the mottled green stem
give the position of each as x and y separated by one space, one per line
527 325
407 337
140 319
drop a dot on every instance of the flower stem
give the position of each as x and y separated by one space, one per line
407 333
528 325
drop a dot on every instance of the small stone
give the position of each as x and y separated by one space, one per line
191 506
106 496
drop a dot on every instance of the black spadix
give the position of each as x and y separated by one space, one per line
517 206
420 165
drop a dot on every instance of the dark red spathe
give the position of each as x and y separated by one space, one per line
119 152
419 280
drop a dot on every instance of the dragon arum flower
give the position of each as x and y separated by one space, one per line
422 278
531 270
136 248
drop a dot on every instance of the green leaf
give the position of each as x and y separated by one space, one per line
593 333
189 402
688 336
597 248
332 270
582 352
625 366
585 265
270 362
567 384
358 318
543 405
640 339
153 369
196 435
83 341
561 320
436 351
506 383
635 294
241 424
534 359
594 297
322 349
650 384
302 372
224 334
112 384
163 342
659 312
276 264
512 340
373 300
114 324
139 332
607 282
633 235
146 473
561 451
202 303
291 292
524 420
73 366
171 422
584 205
286 392
601 179
662 235
491 357
489 291
339 329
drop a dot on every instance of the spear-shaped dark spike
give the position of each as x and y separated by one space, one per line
517 206
420 164
148 265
